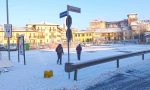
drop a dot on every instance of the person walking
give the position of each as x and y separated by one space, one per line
59 50
79 49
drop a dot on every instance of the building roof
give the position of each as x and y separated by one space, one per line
43 23
132 14
19 28
108 30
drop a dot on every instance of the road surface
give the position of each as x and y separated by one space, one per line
137 78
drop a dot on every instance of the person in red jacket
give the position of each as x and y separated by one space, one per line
79 49
59 50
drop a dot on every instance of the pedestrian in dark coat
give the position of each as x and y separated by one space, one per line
59 50
78 49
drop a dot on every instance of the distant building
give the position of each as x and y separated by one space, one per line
144 26
46 34
132 18
42 35
15 33
38 35
82 36
110 31
97 24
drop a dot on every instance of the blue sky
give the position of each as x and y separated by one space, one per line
22 12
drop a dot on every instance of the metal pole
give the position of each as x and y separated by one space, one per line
18 49
24 51
117 63
75 75
142 56
8 43
68 53
68 58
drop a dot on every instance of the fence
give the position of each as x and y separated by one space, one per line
70 67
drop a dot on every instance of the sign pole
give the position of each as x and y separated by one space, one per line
68 59
69 36
24 51
68 24
68 52
8 42
18 49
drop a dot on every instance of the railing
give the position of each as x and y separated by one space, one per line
70 67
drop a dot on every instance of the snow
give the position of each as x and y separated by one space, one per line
5 64
31 76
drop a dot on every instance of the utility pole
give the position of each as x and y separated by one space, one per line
8 42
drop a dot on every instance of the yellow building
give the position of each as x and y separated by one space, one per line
15 33
46 34
37 35
82 36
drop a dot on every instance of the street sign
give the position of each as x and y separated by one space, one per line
73 9
68 21
68 24
8 30
21 49
69 34
63 14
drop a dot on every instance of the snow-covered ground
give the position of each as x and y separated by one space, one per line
31 76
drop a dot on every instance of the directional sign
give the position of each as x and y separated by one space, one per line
69 34
73 9
63 14
68 21
8 30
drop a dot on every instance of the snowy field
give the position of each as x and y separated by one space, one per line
31 76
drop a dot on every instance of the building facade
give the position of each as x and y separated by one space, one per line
37 35
42 35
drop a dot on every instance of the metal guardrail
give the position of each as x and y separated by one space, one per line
70 67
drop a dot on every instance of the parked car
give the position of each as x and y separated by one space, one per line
2 48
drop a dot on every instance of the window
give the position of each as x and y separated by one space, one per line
17 34
79 35
83 35
49 29
75 35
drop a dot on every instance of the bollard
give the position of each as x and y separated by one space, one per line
117 63
142 56
75 75
48 74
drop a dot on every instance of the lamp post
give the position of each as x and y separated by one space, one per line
8 42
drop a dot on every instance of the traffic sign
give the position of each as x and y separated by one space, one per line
73 9
8 30
68 21
20 39
69 34
63 14
21 49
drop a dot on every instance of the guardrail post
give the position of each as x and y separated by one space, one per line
117 63
142 56
75 75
